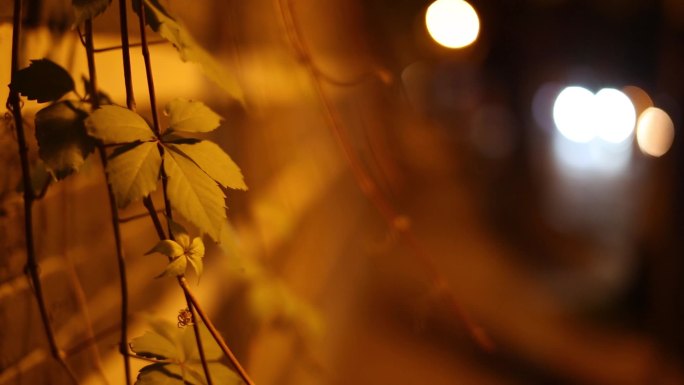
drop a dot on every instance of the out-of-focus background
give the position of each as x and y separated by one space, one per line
530 152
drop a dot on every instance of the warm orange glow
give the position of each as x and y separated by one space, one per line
640 98
655 132
452 23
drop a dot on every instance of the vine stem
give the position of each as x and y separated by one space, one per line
197 307
126 55
395 220
121 260
14 105
192 306
214 332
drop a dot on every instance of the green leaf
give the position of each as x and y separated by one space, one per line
88 9
212 351
194 194
195 255
154 345
167 247
175 268
179 347
190 116
188 49
214 161
117 125
62 139
181 249
43 81
221 374
159 374
133 173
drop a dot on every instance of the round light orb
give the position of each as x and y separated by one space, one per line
452 23
655 132
574 114
615 115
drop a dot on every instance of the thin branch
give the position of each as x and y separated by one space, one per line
136 217
148 68
82 38
167 204
214 332
126 55
118 47
192 303
195 306
14 105
149 205
121 261
198 338
366 183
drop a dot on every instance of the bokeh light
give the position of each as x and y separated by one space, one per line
640 98
581 116
615 115
452 23
655 132
573 113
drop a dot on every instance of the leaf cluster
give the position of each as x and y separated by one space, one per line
178 358
60 130
195 169
180 251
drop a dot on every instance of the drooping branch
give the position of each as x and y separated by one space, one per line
14 105
114 213
191 301
214 332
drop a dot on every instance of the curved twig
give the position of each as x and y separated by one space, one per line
368 186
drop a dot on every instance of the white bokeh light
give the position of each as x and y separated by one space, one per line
615 115
580 116
573 114
452 23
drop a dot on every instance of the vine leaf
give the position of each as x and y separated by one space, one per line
160 374
177 347
175 268
214 161
189 50
43 80
88 9
181 251
117 125
194 194
191 116
62 139
133 171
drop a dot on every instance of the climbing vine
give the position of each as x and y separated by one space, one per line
137 158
